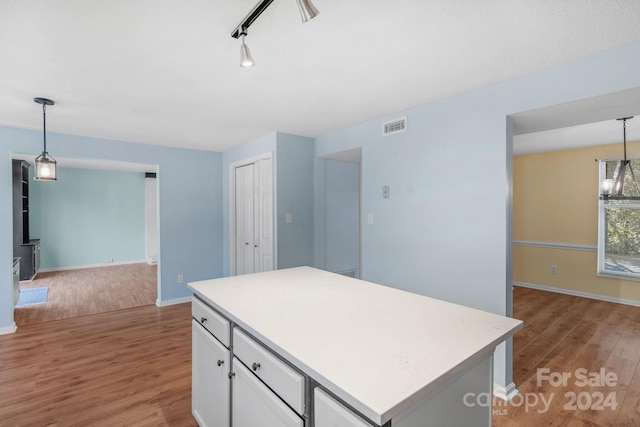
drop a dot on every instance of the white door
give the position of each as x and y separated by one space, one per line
210 381
254 217
244 220
254 404
263 215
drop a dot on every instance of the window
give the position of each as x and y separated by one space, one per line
619 221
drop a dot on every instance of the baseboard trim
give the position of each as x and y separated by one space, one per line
80 267
578 294
505 393
9 329
172 301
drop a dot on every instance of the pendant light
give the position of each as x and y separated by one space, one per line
45 164
615 188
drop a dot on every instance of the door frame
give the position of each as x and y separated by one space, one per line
232 207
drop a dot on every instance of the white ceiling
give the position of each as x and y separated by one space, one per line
166 72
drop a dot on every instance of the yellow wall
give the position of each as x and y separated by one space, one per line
555 200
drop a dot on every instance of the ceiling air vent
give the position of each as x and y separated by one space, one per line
394 126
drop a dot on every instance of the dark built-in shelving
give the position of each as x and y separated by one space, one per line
25 248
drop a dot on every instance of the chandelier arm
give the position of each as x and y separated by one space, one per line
619 184
635 180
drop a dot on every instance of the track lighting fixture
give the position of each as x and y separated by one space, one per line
45 164
307 11
246 60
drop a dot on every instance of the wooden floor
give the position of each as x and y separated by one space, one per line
133 367
82 292
126 368
564 334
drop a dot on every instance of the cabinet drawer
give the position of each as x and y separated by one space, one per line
254 405
329 412
212 321
282 379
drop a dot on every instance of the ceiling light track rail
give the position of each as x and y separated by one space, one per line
244 25
307 11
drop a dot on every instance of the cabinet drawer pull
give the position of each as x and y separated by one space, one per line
255 366
203 319
220 362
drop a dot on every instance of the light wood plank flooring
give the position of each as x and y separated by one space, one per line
124 368
82 292
133 367
563 333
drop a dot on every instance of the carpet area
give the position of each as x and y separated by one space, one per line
32 296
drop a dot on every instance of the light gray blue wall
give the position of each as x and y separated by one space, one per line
88 216
295 196
190 195
342 215
446 231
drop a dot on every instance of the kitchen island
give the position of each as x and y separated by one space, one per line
304 347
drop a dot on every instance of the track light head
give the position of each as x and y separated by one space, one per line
307 10
246 60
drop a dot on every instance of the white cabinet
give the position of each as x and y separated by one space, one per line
262 395
210 379
211 321
255 405
330 413
378 355
280 378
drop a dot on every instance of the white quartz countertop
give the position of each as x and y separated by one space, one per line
378 348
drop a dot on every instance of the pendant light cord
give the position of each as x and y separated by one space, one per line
44 126
624 136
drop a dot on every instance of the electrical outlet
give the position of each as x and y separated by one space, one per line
553 269
180 278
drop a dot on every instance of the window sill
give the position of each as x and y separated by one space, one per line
620 276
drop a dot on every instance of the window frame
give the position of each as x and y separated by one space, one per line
602 206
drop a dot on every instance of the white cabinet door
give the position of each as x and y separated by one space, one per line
330 413
210 379
255 405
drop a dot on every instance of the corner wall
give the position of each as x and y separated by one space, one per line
190 194
293 193
555 222
445 231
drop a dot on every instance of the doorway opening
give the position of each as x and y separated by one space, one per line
97 228
342 189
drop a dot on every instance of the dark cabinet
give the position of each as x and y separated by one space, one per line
25 248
